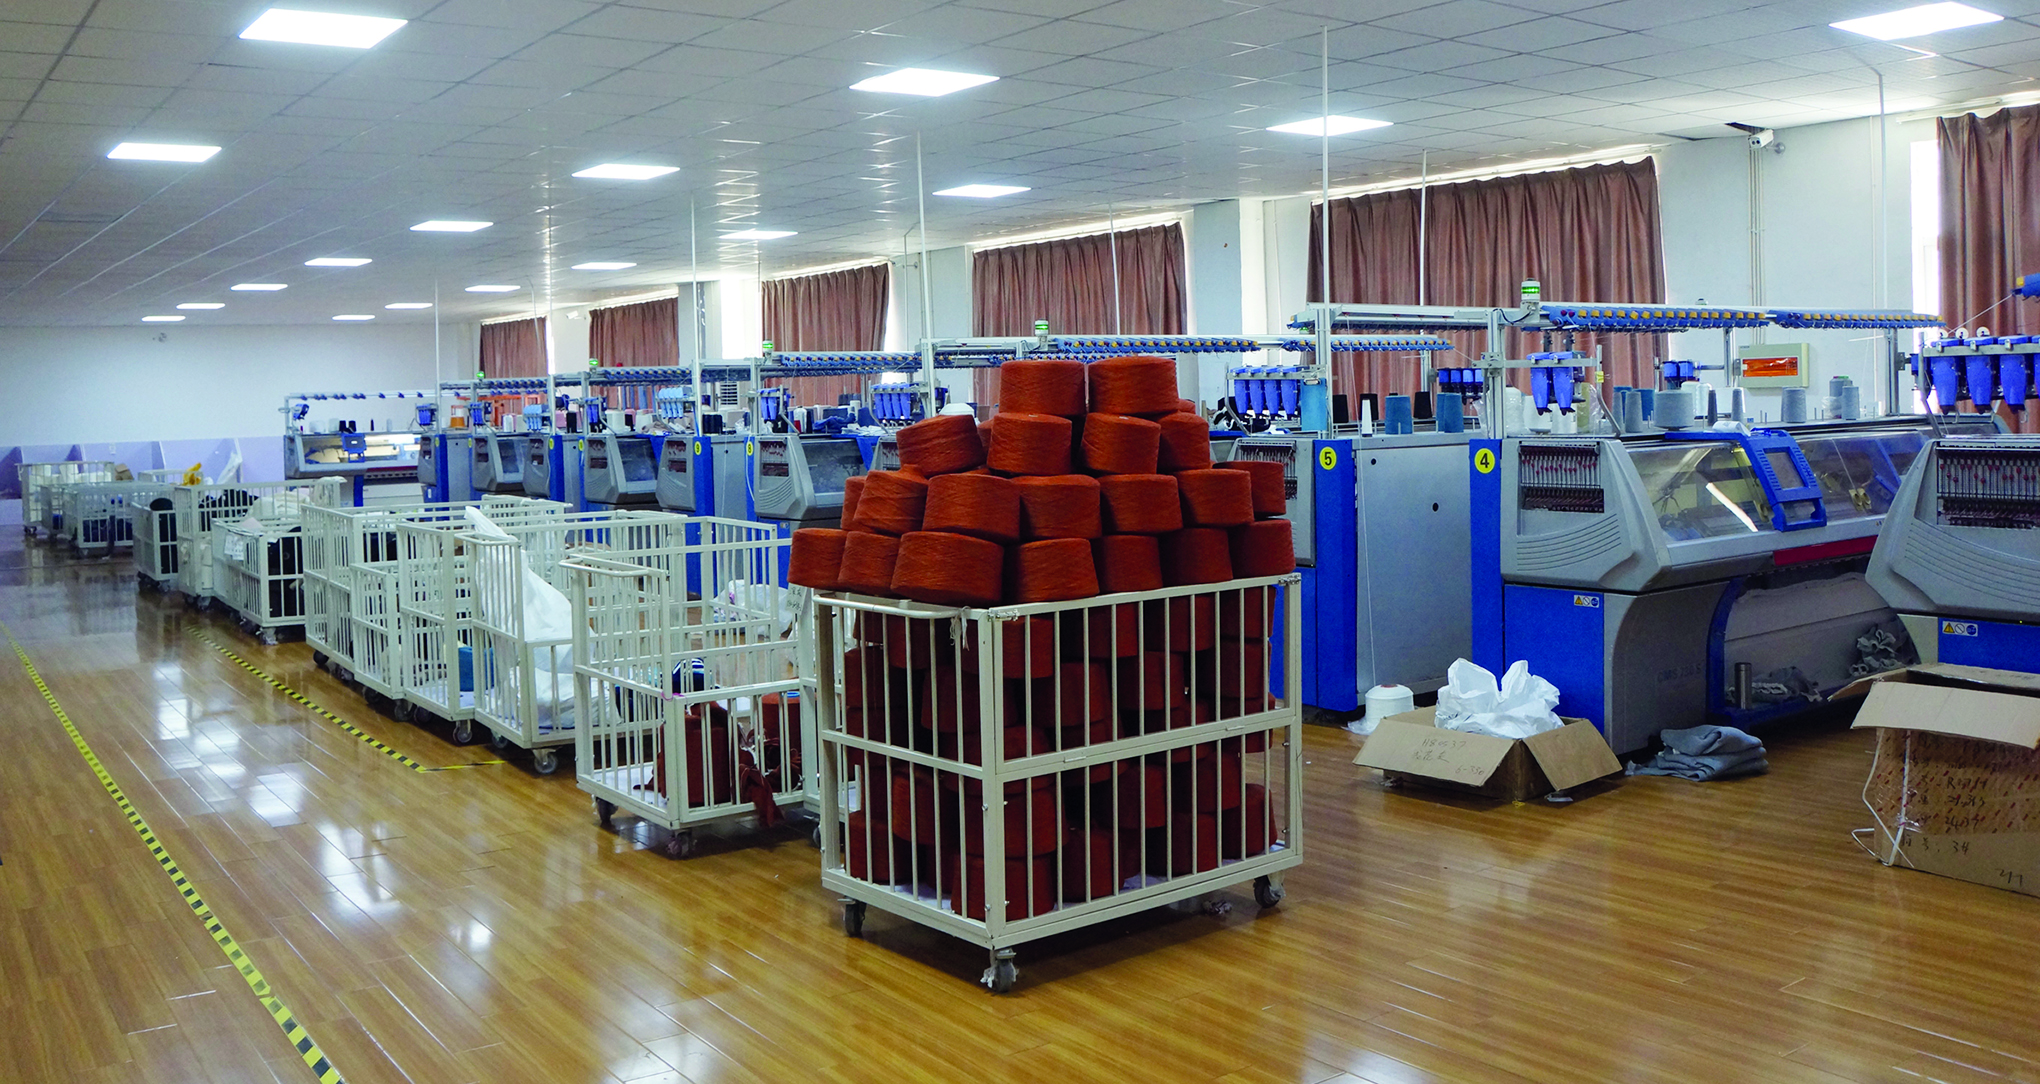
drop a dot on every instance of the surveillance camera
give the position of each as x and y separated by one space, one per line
1762 138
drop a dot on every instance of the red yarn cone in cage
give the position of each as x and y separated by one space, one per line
1141 503
1133 385
984 505
943 444
1186 406
949 569
1185 444
1120 444
1044 386
1211 498
893 502
1128 562
1053 571
816 558
1262 548
852 489
868 561
1196 555
1059 506
1030 444
1268 487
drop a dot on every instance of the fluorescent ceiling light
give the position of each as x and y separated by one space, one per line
161 319
620 171
1913 22
320 28
757 235
982 191
354 316
491 289
338 261
162 152
261 286
926 82
1334 125
408 305
450 225
603 265
202 305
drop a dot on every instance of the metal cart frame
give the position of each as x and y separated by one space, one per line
36 478
1201 729
682 706
198 508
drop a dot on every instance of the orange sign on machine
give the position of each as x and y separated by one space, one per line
1774 365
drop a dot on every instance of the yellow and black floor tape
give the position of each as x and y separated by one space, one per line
278 1011
312 706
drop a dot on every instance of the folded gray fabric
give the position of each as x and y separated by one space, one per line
1701 769
1703 741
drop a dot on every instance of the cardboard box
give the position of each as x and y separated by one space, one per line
1955 787
1411 747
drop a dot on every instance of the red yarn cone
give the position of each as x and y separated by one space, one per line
1268 486
816 558
1046 386
1186 443
1120 444
943 444
1128 562
892 502
1133 385
948 569
1030 444
852 490
1196 555
1053 571
1263 548
1141 503
868 560
1060 506
1211 498
984 505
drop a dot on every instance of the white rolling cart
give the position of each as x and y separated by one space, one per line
686 708
100 516
199 508
156 560
37 478
258 564
1147 747
522 664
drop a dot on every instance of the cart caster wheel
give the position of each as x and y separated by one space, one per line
680 845
498 742
1267 893
403 711
1001 976
545 761
853 918
604 811
320 660
464 732
267 637
816 839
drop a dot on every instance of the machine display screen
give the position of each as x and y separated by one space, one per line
506 450
637 460
832 463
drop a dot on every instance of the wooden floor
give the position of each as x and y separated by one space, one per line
476 926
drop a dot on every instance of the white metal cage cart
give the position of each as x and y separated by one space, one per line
1146 748
99 517
522 668
687 709
335 540
199 508
36 478
258 564
155 524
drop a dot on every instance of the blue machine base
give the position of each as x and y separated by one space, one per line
1562 634
1995 644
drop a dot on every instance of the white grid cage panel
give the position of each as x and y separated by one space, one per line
36 478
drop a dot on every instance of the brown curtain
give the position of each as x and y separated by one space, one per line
835 310
1990 221
1586 234
514 348
645 334
1069 284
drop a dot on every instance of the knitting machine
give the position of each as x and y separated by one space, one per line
798 481
1670 580
552 468
622 470
499 462
333 447
446 461
1959 557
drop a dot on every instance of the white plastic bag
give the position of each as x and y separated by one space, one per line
1516 707
548 616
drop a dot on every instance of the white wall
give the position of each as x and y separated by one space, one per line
949 306
1818 246
78 385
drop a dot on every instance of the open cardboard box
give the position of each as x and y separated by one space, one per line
1411 747
1955 787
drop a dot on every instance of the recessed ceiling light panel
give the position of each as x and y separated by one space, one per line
354 317
622 171
1334 125
339 261
260 287
603 265
924 82
320 28
161 319
162 152
491 289
757 235
982 191
450 225
1913 22
202 305
408 305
